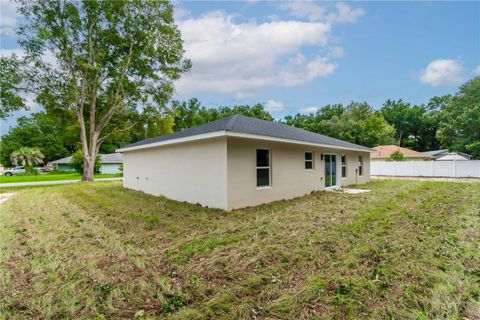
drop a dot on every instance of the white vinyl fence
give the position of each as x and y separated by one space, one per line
455 169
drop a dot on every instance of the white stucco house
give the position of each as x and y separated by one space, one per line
240 161
109 163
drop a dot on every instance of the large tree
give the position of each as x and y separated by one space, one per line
415 125
460 124
97 59
187 114
357 123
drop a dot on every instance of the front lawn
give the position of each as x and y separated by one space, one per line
406 250
51 177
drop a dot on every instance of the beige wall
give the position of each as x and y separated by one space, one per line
221 172
194 172
289 177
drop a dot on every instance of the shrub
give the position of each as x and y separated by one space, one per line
77 162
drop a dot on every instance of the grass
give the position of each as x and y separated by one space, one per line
51 177
406 250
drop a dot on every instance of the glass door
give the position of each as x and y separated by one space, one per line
330 170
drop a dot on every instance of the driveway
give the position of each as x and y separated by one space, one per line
47 183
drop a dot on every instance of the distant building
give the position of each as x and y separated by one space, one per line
109 163
445 155
383 153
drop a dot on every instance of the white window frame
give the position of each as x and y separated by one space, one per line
344 165
263 167
312 161
360 166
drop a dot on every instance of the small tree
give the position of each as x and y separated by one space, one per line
397 156
77 162
27 157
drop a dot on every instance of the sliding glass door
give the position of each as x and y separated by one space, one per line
330 170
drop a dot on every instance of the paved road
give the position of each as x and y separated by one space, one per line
47 183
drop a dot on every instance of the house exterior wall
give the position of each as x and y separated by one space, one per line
289 178
194 172
64 167
110 168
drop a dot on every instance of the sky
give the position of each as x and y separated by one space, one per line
297 56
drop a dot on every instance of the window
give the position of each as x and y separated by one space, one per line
360 166
308 160
263 168
344 166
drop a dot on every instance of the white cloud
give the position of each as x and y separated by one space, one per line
274 106
442 72
8 17
477 71
313 11
345 13
309 110
304 9
242 57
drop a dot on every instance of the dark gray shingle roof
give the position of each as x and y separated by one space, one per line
248 125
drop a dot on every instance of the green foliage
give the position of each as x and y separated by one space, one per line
10 78
460 124
397 155
357 123
172 303
187 114
27 157
415 126
77 162
112 58
54 137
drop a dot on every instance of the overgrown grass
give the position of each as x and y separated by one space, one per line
52 177
406 250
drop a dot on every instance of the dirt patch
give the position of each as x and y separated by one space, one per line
5 196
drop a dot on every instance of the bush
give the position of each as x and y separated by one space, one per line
77 162
397 156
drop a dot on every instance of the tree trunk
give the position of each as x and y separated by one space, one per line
88 168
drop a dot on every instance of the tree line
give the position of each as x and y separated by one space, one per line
104 73
451 122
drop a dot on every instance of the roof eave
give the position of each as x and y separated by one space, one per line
238 135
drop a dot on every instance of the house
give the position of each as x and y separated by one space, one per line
109 163
454 156
445 155
383 153
240 161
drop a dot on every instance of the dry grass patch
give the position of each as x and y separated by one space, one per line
405 250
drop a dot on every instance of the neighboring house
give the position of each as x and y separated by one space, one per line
454 156
109 163
240 161
445 155
383 153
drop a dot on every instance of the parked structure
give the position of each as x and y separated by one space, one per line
445 155
239 161
383 153
109 163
